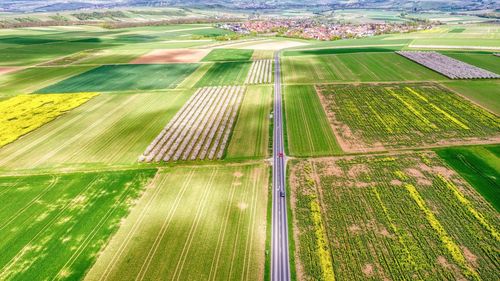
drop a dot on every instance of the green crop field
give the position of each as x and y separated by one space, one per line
391 217
32 79
194 223
480 166
109 129
251 134
307 128
483 92
228 55
54 225
353 67
486 61
124 77
376 117
225 73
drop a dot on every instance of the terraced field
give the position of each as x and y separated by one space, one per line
193 223
403 216
54 225
380 66
124 77
377 117
201 129
109 129
307 128
250 137
225 73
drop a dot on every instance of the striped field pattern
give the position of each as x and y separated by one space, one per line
260 72
201 129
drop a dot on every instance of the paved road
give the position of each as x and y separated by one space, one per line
280 262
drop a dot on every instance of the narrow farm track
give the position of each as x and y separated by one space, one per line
280 262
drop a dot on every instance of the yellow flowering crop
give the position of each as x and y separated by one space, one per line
24 113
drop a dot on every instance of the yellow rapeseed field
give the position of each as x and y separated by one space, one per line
24 113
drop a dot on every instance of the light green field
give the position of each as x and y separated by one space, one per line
485 61
482 92
193 223
225 73
353 67
228 55
192 79
31 79
109 129
307 129
250 136
54 225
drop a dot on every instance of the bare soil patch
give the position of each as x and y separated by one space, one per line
171 56
5 70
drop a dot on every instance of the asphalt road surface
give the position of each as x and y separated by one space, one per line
280 262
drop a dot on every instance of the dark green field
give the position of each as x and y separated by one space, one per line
225 73
124 77
53 225
228 55
480 166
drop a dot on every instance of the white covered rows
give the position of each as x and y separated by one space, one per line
260 72
201 129
449 67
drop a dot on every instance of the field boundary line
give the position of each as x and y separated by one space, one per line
135 225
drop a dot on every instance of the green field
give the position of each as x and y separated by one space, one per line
109 129
124 77
225 73
480 166
485 61
353 67
250 136
395 217
54 225
484 92
194 223
228 55
377 117
31 79
307 129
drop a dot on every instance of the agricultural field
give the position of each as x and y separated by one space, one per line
111 129
24 113
486 61
250 137
307 129
31 79
406 216
201 129
229 55
377 117
54 225
480 166
193 223
124 77
261 72
484 93
171 56
225 73
380 66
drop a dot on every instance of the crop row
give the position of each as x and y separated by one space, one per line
24 113
449 67
201 129
394 217
398 115
260 72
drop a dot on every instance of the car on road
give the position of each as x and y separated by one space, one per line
280 155
282 193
